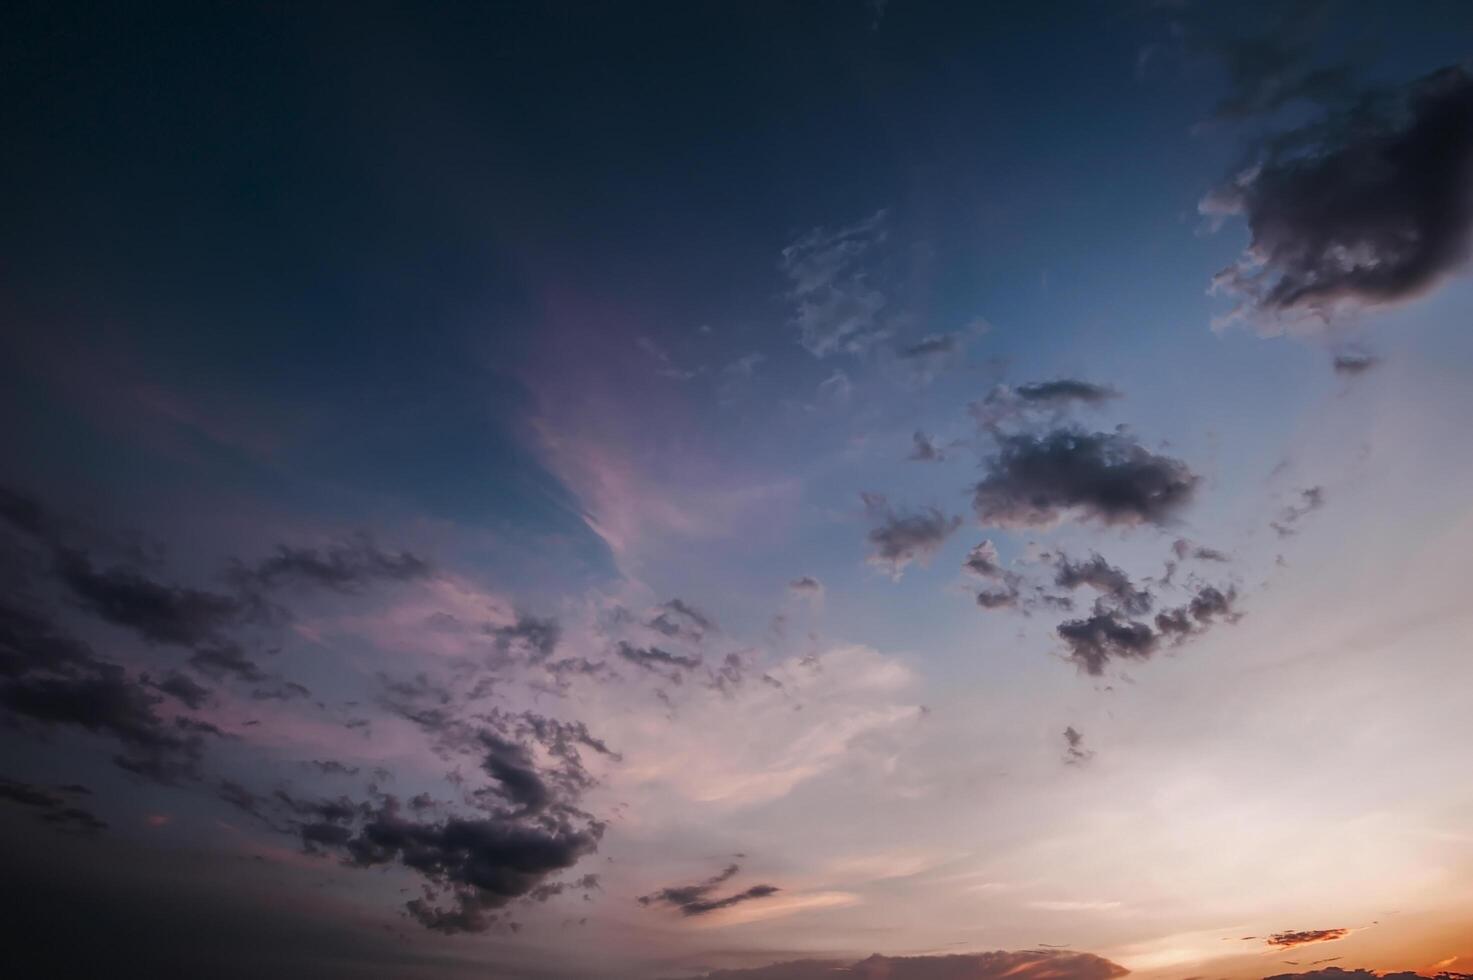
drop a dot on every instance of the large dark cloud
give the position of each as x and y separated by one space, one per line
161 613
343 567
1033 964
899 539
697 899
52 806
51 680
473 865
1368 206
1107 478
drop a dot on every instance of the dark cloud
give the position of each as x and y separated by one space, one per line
1034 964
998 598
472 866
696 899
1036 401
534 638
1271 70
983 560
511 766
837 308
654 659
331 767
1208 606
53 680
343 567
924 449
52 807
184 689
160 613
1303 937
1106 636
899 539
224 658
1075 754
932 354
1064 390
1107 478
1184 549
1354 363
678 619
1366 207
1114 585
1310 500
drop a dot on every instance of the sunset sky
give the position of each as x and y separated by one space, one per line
752 490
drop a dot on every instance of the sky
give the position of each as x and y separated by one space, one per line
747 491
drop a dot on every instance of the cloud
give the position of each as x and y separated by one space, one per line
343 567
933 354
1184 549
530 637
1113 584
1036 400
160 613
1208 606
837 310
697 900
1075 754
1107 478
925 449
1106 636
1367 207
1303 937
678 619
899 539
1039 964
807 587
52 680
184 689
1336 973
1353 363
654 659
1310 500
51 807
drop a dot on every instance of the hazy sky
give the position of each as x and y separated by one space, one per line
648 491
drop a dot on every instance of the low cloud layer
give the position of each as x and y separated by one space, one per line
1034 964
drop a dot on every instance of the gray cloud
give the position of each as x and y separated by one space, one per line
678 619
1113 584
1208 606
837 310
1353 363
696 899
1107 478
899 539
343 567
1366 207
1106 636
925 449
1075 754
1310 499
52 806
